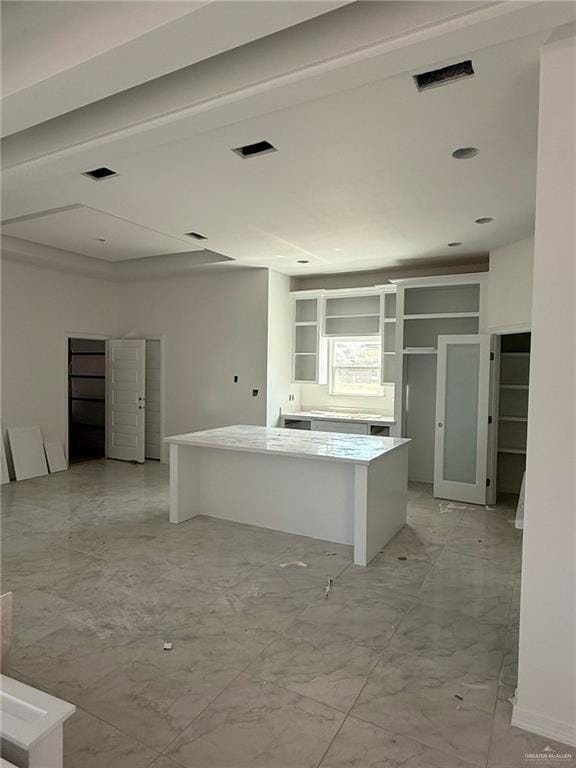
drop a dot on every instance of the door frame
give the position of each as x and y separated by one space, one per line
164 449
67 336
465 492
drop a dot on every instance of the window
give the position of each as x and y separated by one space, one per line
355 366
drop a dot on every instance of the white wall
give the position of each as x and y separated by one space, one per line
40 308
510 287
215 328
546 696
279 386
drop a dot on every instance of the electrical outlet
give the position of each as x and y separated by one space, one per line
236 379
254 393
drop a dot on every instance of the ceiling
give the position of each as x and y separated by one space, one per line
363 177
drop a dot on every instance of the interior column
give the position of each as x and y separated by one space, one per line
546 695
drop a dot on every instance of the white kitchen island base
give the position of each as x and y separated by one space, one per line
347 489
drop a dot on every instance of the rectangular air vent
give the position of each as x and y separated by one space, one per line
253 150
443 76
97 174
196 235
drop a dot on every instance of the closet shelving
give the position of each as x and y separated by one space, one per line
86 398
514 371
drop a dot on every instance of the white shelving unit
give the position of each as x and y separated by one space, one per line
306 338
426 309
325 314
514 372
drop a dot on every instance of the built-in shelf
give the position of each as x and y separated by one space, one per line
514 354
304 353
89 399
341 317
442 316
420 351
513 386
306 322
513 418
520 451
388 353
86 376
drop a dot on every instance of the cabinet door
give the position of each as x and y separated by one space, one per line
462 408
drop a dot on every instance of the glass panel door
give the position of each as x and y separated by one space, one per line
462 418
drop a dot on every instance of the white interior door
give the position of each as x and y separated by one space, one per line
462 408
125 399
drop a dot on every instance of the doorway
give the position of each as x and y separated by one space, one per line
86 399
91 391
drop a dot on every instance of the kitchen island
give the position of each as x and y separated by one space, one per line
349 489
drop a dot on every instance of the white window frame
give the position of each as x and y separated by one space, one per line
369 339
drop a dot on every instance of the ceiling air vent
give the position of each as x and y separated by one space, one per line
253 150
444 75
100 173
196 235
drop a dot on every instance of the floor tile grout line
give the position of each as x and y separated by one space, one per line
397 734
377 661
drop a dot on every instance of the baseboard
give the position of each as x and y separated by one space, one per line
544 726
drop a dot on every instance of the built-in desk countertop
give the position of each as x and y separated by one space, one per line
350 489
331 446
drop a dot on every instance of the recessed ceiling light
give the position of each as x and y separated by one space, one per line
455 244
465 153
303 261
196 235
253 150
484 220
98 174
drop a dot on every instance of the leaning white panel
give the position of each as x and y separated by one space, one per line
4 475
55 456
27 452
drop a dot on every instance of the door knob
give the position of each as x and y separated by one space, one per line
440 424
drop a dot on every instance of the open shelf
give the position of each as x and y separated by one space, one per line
515 354
513 418
513 386
420 351
520 451
438 300
86 376
442 316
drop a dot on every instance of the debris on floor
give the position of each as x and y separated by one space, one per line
167 647
457 696
327 588
297 563
402 557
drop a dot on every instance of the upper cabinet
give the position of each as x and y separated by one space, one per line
306 338
322 315
352 315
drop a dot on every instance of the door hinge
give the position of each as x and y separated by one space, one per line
489 419
487 482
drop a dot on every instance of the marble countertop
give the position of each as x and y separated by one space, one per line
326 414
331 446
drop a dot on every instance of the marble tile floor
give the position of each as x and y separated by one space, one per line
410 662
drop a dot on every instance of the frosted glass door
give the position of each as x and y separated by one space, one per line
462 403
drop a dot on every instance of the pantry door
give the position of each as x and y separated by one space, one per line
462 410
